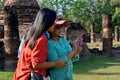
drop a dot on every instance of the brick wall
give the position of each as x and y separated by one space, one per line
21 2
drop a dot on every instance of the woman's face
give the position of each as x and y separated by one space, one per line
57 30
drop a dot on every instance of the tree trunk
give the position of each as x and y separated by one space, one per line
116 33
92 33
11 37
107 34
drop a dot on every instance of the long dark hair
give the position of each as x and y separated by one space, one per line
44 20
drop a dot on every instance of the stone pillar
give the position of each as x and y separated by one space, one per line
116 33
107 34
2 55
92 33
11 37
16 12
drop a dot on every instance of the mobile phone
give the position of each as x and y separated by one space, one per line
80 41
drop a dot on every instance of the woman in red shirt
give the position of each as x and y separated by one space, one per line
34 51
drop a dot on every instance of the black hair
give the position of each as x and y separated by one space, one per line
44 20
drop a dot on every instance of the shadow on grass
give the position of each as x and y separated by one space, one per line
101 64
90 73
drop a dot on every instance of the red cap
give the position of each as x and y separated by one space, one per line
61 22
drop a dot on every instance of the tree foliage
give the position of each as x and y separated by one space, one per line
86 12
115 3
62 7
90 11
1 4
116 17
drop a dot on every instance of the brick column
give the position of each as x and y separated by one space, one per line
16 12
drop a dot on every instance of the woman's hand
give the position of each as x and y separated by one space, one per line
60 64
78 41
74 48
79 49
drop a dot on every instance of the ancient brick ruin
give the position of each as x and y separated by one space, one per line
73 31
26 11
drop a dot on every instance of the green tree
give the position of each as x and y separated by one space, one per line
86 12
115 3
116 15
90 11
1 4
62 7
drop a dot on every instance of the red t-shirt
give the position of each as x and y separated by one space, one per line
28 57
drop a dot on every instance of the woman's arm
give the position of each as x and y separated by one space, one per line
45 65
39 57
73 52
79 49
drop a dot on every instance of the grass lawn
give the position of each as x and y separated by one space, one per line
94 69
100 44
97 69
6 75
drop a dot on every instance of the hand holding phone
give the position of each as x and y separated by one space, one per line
80 42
